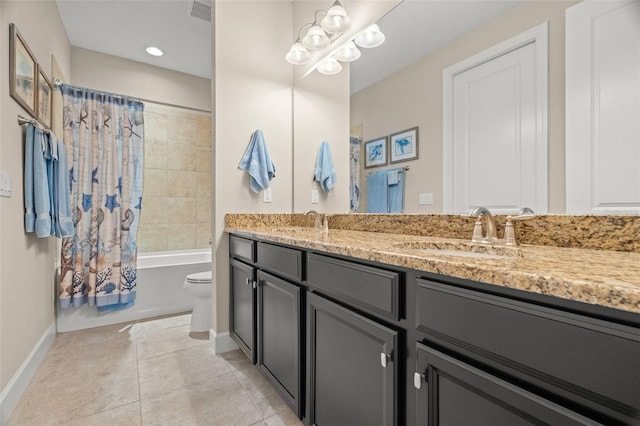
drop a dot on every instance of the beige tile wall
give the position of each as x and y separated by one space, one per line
176 206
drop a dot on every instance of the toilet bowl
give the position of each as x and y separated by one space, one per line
199 285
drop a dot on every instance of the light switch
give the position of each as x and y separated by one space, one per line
266 195
315 196
5 184
425 198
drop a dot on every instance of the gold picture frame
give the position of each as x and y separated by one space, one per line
23 70
44 97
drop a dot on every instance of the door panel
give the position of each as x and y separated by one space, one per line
347 384
456 393
495 141
242 300
279 335
603 107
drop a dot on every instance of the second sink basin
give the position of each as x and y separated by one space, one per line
459 248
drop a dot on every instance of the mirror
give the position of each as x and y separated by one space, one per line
381 104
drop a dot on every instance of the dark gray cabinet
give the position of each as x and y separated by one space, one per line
279 336
351 367
452 392
242 313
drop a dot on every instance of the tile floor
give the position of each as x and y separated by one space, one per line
150 373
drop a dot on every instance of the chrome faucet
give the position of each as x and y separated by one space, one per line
484 230
318 224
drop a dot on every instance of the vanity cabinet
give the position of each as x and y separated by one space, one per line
352 374
347 341
266 316
452 392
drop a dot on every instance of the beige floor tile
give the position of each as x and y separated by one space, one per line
163 373
80 389
127 415
237 360
261 392
283 418
145 326
158 342
217 401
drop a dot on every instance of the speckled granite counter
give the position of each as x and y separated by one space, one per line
602 277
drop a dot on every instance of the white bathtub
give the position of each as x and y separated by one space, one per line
158 292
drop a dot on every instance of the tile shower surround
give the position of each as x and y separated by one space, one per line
176 213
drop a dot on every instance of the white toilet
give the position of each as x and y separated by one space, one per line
200 286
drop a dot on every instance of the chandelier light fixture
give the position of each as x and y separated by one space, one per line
320 35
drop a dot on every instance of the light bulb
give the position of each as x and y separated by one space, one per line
370 37
336 20
315 38
155 51
298 55
329 67
347 53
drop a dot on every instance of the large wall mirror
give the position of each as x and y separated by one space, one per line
389 93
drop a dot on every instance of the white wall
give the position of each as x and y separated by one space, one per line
123 76
251 90
419 87
320 111
26 262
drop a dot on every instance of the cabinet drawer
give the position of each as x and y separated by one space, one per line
241 248
585 356
282 260
374 289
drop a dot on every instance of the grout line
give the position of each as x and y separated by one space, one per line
138 377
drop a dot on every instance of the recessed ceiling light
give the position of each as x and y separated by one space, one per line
155 51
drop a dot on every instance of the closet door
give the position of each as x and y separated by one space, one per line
603 107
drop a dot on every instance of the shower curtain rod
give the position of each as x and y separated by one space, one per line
57 83
406 168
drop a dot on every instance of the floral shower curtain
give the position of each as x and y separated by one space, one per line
354 173
104 137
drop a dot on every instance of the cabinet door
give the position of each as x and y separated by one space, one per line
279 336
352 367
242 297
451 392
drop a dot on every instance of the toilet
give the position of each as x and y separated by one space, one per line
199 285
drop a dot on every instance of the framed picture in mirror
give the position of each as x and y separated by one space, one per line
22 72
404 145
45 89
375 152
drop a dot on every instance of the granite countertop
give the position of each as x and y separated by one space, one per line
601 277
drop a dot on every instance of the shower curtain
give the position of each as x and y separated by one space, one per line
354 174
104 137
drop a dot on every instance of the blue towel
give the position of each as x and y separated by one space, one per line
325 173
377 193
395 181
29 212
40 188
62 220
257 163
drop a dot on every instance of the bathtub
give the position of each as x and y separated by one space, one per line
158 292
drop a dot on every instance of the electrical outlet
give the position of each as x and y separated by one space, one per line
5 184
425 198
315 196
266 195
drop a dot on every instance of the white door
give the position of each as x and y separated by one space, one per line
495 128
603 107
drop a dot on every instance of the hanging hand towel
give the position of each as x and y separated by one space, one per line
377 193
395 180
325 174
257 163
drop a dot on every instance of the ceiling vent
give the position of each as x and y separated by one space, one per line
200 9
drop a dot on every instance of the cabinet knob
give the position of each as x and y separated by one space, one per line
418 378
384 359
247 281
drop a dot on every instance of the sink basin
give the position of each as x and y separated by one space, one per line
459 248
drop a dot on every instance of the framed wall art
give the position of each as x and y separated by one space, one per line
375 152
22 72
45 89
404 145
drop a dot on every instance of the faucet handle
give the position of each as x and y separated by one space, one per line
478 231
509 232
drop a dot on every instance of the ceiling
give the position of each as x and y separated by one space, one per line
124 28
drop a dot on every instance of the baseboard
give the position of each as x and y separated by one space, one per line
221 342
18 384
